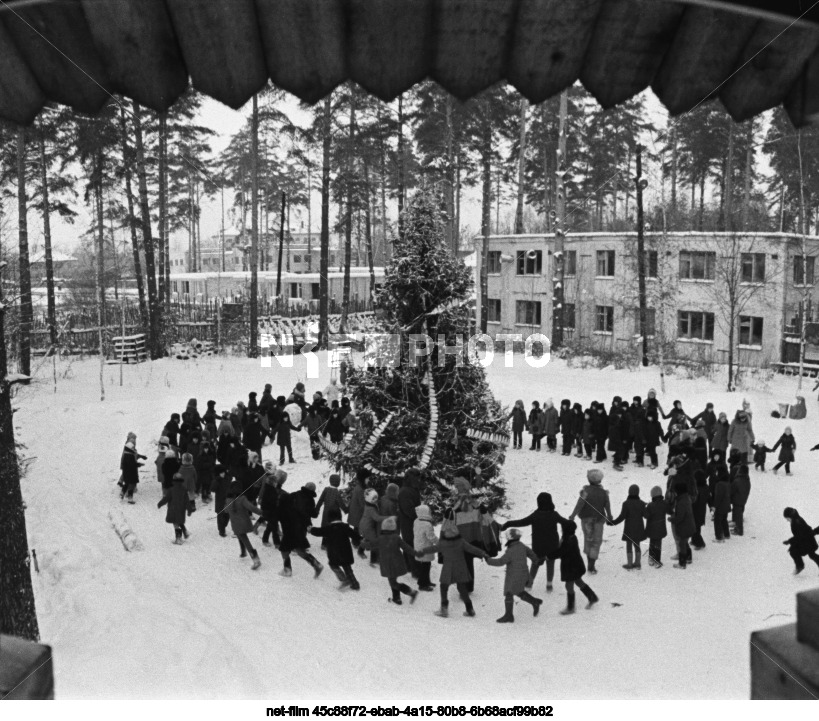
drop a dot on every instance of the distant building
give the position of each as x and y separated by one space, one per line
64 265
686 289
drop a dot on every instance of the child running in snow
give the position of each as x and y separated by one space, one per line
787 445
336 536
423 537
370 523
572 568
802 543
656 530
454 569
239 509
761 452
515 558
633 530
391 559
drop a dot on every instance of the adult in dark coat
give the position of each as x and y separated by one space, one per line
337 536
709 419
572 568
722 506
600 427
566 423
177 507
248 473
266 403
545 539
653 437
631 515
254 434
535 425
700 506
210 420
129 465
803 541
684 523
409 498
335 424
740 491
296 513
219 487
637 422
518 417
615 435
170 466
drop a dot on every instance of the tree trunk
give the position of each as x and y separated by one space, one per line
702 202
253 350
100 275
49 262
154 307
127 167
731 331
324 259
486 220
26 313
385 245
449 193
674 162
558 293
18 614
401 179
348 221
641 255
163 289
729 180
191 242
309 223
749 161
521 168
368 229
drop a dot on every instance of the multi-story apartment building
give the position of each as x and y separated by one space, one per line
695 284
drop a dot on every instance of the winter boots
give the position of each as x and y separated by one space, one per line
630 560
256 561
536 602
508 617
178 539
569 605
443 612
590 595
592 562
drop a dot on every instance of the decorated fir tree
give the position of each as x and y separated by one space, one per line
434 412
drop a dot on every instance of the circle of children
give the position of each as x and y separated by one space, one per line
219 458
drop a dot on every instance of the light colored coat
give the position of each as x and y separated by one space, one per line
423 537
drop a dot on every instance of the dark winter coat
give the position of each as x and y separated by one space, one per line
593 503
169 468
710 420
760 453
615 432
313 422
453 559
722 495
283 432
544 522
388 503
177 503
788 446
716 470
577 420
572 567
719 441
130 467
700 504
516 559
295 514
803 540
370 524
409 498
247 477
653 433
356 505
254 436
171 431
337 537
588 432
204 464
269 498
637 417
518 416
677 417
600 425
684 522
565 421
536 422
239 510
740 490
390 554
335 427
654 514
700 453
632 515
330 499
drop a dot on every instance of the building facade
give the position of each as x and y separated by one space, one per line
696 283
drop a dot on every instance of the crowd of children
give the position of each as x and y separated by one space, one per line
213 457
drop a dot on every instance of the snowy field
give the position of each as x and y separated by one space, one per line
195 622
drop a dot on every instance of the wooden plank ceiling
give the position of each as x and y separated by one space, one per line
751 54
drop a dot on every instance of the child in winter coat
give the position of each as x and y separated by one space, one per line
171 431
336 536
684 524
331 500
204 463
391 559
515 558
577 429
740 491
163 447
715 469
535 425
188 473
518 416
722 506
588 435
313 423
565 423
129 465
219 488
653 437
802 543
654 514
453 549
283 438
633 531
761 452
572 569
787 445
357 488
388 504
423 537
239 509
177 505
551 423
370 523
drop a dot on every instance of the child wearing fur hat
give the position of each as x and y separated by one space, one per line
391 559
188 473
631 515
535 425
551 422
423 537
336 536
171 431
129 465
587 434
594 510
518 417
684 524
653 437
204 463
170 466
722 506
219 488
270 505
802 542
453 550
761 452
239 509
162 448
330 499
565 425
572 569
654 514
283 437
787 445
515 558
577 429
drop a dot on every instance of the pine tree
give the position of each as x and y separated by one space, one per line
421 412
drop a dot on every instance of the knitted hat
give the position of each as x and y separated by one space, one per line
335 480
131 436
462 486
423 513
700 423
389 524
309 486
281 476
637 399
594 476
634 490
513 534
164 441
656 491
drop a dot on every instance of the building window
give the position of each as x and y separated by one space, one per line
801 263
695 325
493 262
332 260
186 286
750 330
604 319
605 263
697 265
297 258
529 262
527 312
236 260
493 310
295 290
568 315
651 317
651 263
753 267
315 291
571 263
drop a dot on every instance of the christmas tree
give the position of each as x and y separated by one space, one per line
431 411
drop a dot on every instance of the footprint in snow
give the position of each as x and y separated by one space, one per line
614 604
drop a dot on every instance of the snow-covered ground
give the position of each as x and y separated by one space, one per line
195 622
